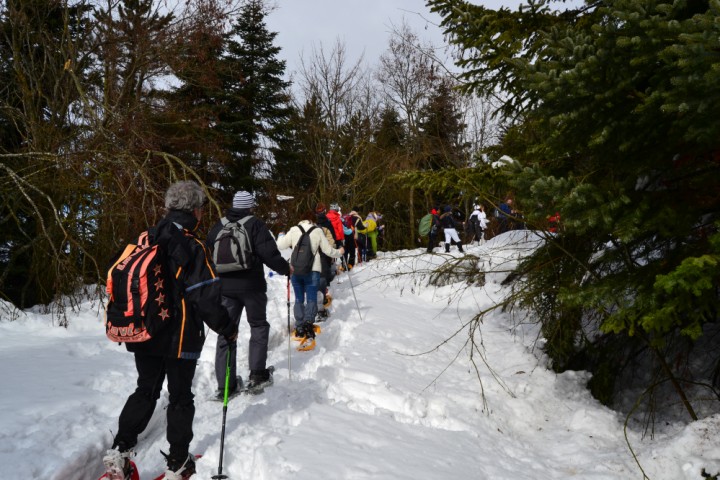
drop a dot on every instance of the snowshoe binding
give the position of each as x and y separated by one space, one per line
118 465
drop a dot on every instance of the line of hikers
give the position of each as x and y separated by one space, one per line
213 282
446 225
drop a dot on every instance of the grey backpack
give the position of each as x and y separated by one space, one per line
232 249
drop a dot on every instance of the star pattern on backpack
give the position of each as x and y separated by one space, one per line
159 284
164 314
157 270
160 298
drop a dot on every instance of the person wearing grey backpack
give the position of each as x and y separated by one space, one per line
243 285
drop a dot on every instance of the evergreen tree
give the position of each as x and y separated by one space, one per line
256 105
615 130
44 46
441 130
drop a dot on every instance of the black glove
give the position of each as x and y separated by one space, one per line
231 332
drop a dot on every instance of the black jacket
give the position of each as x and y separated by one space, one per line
195 291
448 221
264 248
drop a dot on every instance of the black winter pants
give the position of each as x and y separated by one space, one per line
350 250
140 405
254 304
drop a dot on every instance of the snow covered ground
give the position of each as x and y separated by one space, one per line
391 392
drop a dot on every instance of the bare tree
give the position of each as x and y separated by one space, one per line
340 152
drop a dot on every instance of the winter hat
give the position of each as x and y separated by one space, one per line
447 208
335 206
433 212
243 200
320 208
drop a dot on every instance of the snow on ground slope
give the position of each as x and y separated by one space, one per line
391 392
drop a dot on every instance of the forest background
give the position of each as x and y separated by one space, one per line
604 112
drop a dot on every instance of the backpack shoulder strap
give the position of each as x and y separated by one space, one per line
244 220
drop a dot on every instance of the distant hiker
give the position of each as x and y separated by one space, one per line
554 222
329 269
505 212
334 215
434 230
478 222
373 230
361 239
350 247
450 226
244 288
306 276
174 351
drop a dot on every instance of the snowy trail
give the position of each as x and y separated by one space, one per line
389 395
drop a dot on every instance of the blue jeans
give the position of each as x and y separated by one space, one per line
305 288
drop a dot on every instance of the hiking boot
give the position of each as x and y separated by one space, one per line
327 301
259 379
179 469
322 315
117 464
220 395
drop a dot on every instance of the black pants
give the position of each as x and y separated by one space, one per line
139 407
350 250
254 304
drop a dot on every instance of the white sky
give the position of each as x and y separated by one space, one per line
364 26
366 404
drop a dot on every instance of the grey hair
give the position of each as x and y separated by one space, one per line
185 196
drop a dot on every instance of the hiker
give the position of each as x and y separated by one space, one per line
328 268
350 247
450 225
478 222
246 289
305 285
434 230
553 222
360 236
174 351
505 212
334 215
373 230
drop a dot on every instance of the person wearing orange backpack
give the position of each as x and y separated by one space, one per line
173 352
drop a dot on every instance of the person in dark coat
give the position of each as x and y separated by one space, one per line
247 290
174 351
450 228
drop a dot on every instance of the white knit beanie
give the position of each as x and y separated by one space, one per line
243 200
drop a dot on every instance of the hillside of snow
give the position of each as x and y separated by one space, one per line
391 392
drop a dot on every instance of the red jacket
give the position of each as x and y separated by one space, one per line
337 225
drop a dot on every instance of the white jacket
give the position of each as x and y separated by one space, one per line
318 241
482 218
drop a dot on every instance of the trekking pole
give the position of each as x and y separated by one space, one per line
288 321
352 288
225 404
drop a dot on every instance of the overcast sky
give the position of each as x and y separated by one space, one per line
363 26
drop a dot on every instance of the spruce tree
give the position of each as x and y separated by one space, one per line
255 102
614 129
441 142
